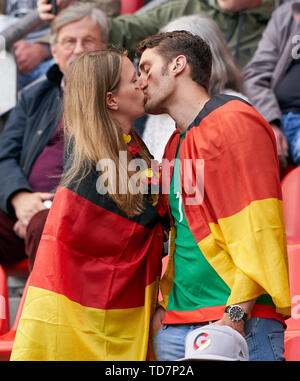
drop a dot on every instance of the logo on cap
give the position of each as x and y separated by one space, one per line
201 342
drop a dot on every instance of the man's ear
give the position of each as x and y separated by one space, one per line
111 101
178 64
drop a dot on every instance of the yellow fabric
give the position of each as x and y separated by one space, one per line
54 328
167 279
248 250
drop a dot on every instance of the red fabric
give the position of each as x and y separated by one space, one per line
250 135
124 260
131 6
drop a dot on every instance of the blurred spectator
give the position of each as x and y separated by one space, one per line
151 4
241 22
33 53
33 56
226 77
272 79
32 144
111 8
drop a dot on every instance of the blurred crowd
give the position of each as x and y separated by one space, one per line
255 49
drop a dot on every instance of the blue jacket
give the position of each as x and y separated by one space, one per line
29 128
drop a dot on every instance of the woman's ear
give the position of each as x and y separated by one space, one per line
111 101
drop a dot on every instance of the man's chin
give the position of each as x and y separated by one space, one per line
153 111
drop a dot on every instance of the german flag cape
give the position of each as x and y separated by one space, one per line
237 221
93 287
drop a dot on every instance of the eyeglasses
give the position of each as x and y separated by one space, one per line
70 43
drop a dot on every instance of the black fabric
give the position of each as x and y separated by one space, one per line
215 102
88 190
288 89
29 128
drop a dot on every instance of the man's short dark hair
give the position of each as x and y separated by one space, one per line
171 44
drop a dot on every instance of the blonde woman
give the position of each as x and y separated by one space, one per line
93 287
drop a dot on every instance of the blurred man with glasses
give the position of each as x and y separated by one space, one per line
32 143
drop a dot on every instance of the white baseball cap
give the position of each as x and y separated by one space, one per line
215 342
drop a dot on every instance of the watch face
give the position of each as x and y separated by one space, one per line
236 313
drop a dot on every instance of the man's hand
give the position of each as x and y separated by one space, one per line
20 229
238 326
27 204
44 8
282 146
29 55
156 322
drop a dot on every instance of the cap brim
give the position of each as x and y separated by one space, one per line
207 357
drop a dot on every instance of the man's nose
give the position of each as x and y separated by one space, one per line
143 82
79 47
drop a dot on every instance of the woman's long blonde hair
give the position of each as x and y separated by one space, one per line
93 133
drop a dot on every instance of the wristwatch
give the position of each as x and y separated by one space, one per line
236 313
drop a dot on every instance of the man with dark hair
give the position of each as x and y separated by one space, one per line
228 257
168 48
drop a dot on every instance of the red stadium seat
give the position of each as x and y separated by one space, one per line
294 270
292 347
4 305
291 202
286 170
7 340
131 6
292 333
